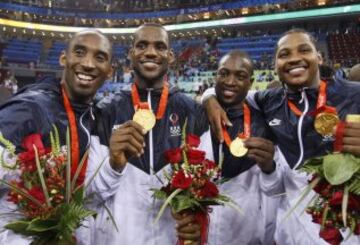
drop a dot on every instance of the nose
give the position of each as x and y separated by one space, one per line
294 58
231 79
88 62
150 51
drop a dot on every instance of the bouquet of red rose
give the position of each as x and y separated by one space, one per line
49 198
336 205
192 184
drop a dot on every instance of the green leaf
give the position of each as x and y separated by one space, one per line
41 177
339 168
18 226
183 202
78 196
344 204
158 194
39 225
167 201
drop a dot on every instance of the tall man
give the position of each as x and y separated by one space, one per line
290 112
244 173
35 109
133 153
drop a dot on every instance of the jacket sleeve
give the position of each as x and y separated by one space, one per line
273 184
102 180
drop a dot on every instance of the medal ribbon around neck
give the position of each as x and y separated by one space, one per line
74 136
145 105
325 116
236 146
320 105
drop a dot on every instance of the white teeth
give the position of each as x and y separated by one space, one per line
296 70
85 77
228 92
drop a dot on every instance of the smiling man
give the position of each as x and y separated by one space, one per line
243 173
138 125
36 108
293 113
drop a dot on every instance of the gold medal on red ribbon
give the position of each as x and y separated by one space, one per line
325 122
237 147
143 114
325 116
145 118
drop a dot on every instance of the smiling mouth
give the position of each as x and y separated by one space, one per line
296 71
85 77
228 93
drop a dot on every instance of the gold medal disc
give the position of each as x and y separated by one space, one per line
237 147
145 118
325 123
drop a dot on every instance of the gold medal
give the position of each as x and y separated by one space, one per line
237 147
325 122
353 118
145 118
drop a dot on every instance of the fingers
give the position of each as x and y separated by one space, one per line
125 142
351 138
186 226
184 220
217 117
259 143
262 152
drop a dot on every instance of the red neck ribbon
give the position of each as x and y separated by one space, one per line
247 128
74 140
144 105
320 105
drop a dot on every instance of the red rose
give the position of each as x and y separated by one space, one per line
33 139
37 193
173 155
353 202
180 180
357 229
209 190
208 164
323 187
195 156
331 235
192 140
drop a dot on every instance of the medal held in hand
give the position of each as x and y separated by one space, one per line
325 122
237 147
145 118
143 113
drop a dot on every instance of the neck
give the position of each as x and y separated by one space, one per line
75 98
294 88
145 84
236 106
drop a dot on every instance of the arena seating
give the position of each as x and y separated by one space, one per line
22 51
345 48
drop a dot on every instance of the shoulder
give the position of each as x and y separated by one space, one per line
270 98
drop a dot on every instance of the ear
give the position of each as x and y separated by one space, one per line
62 58
171 57
320 58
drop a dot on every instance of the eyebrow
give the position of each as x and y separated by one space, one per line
102 52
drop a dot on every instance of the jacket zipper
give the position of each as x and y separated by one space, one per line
299 127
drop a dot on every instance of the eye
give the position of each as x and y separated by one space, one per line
161 47
141 45
79 52
222 74
283 54
101 58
